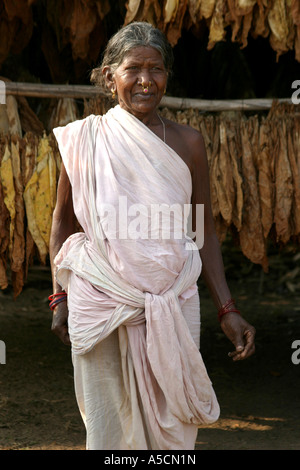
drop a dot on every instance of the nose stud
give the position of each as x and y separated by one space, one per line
146 88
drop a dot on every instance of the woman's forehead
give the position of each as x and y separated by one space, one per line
142 53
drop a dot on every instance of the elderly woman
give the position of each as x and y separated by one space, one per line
125 289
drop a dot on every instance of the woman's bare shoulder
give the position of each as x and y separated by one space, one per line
185 131
189 141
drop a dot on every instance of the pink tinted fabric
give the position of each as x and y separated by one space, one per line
135 285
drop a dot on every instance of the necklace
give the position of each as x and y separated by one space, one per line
164 128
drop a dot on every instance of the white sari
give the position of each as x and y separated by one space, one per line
126 295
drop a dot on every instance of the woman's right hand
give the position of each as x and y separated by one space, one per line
60 323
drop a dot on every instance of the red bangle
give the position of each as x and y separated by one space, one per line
227 308
55 299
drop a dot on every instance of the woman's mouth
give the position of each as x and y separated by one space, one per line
144 95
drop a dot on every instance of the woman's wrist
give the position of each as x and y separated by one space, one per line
227 307
57 298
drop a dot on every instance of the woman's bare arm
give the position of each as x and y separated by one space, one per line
63 225
235 327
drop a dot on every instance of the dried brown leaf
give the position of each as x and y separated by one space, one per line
284 187
251 234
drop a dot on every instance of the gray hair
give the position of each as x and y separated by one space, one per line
135 34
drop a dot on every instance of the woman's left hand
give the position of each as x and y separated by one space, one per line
241 334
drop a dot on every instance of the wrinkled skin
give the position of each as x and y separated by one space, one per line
60 323
241 334
143 67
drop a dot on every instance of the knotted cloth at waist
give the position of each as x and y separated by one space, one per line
167 352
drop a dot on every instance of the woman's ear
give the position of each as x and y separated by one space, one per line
108 77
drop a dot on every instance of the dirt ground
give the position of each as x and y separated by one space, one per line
259 398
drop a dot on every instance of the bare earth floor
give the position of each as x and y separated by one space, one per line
259 398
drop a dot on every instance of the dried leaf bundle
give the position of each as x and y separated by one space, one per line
81 25
78 23
17 117
4 220
252 242
254 171
16 26
40 197
254 175
266 177
28 177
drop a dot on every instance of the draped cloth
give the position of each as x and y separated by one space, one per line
123 276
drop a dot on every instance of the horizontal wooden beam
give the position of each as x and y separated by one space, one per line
41 90
221 105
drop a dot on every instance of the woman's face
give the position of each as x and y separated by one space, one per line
142 67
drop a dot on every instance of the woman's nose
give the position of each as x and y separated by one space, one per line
145 78
146 84
146 81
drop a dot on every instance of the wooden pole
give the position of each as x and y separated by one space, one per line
39 90
220 105
42 90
